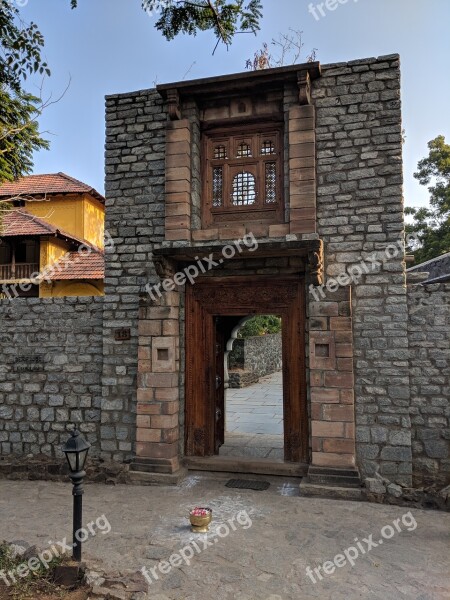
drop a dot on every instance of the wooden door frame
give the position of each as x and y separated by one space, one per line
210 297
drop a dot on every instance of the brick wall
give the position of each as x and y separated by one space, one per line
50 373
429 345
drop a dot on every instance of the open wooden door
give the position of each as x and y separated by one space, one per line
220 386
205 414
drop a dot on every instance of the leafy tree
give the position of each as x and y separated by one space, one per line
20 56
432 225
225 19
19 133
260 325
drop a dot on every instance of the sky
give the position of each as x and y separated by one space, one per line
111 46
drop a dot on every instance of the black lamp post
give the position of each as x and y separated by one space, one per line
76 450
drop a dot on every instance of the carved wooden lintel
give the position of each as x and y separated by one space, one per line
316 265
173 105
304 87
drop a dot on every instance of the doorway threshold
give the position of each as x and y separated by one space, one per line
257 466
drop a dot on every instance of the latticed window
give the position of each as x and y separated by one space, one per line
244 189
243 175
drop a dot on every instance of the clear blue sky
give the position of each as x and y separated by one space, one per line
111 46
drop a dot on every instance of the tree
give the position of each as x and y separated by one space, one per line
260 325
19 133
225 19
432 225
20 55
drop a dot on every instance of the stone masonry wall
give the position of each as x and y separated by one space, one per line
261 355
50 373
135 168
429 345
360 214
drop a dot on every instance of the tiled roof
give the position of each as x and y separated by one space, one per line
19 222
77 265
38 185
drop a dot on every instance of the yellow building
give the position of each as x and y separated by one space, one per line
52 239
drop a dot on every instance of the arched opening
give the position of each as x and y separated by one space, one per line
253 381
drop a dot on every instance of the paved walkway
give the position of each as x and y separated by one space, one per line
257 408
254 420
265 558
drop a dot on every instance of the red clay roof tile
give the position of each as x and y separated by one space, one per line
19 222
38 185
77 265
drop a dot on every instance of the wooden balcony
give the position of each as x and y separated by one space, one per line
18 271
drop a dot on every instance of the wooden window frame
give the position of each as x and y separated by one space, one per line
231 137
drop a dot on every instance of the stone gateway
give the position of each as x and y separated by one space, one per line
306 163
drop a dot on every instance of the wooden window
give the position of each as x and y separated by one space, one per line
242 175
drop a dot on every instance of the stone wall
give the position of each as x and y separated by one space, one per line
429 345
360 216
50 373
260 355
135 213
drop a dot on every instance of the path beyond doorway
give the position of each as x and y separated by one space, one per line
254 420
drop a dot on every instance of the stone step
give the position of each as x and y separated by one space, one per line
334 481
333 471
308 489
261 466
334 477
145 478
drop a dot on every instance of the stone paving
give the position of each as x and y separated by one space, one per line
254 419
276 536
257 408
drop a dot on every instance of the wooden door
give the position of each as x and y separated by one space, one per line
219 386
207 300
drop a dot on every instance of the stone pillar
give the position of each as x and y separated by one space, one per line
302 171
178 181
332 382
158 432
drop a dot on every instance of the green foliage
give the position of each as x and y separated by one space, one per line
20 56
226 19
260 325
19 133
437 166
21 47
432 225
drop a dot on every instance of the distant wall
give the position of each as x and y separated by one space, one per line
51 360
429 344
260 355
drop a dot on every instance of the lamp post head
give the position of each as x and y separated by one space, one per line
76 450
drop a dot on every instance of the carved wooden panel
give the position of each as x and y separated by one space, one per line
246 295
